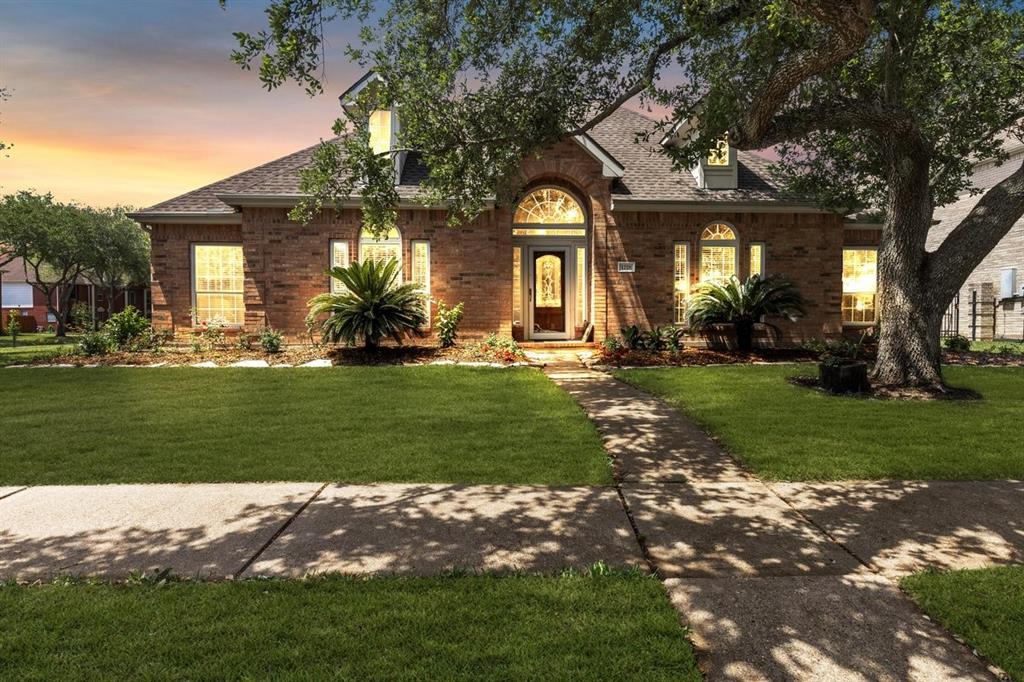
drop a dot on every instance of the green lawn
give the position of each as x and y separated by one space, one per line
1007 346
984 607
354 424
467 628
29 347
787 432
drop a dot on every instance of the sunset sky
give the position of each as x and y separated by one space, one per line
135 101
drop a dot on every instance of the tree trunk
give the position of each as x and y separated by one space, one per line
910 309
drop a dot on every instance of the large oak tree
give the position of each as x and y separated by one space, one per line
872 104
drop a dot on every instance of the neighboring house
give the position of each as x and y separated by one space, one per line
990 304
605 235
16 293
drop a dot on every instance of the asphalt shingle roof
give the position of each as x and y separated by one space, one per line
648 175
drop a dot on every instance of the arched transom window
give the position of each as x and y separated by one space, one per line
718 253
549 212
386 247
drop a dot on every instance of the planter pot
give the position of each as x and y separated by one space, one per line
851 377
721 336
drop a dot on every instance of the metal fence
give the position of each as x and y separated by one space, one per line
951 318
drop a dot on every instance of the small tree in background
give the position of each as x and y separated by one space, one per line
14 326
57 242
120 257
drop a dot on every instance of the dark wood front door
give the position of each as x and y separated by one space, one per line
549 292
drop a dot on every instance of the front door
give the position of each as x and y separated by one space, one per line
549 293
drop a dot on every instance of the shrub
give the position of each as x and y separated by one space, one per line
80 319
668 337
371 307
271 340
209 333
123 329
499 349
957 343
13 324
448 320
94 343
745 303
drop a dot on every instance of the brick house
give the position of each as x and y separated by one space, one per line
17 293
604 234
990 304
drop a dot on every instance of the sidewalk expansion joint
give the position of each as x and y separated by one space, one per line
279 532
13 492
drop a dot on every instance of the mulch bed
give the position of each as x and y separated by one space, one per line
885 393
291 355
982 359
701 356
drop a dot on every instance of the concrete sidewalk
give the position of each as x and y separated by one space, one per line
289 529
785 582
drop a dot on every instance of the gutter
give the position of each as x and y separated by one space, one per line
627 204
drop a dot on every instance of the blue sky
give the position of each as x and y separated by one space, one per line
132 102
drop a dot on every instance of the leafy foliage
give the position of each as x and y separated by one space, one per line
371 308
744 303
125 328
957 343
499 349
94 343
271 340
448 320
668 337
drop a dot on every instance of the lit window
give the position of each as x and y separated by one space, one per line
421 272
717 253
219 283
381 250
681 280
581 289
719 156
860 284
756 259
517 286
549 206
380 131
339 259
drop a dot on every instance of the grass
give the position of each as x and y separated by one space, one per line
985 607
353 424
32 346
786 432
618 626
1007 347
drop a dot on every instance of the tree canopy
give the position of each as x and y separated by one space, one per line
879 104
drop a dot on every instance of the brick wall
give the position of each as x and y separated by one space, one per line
806 247
172 269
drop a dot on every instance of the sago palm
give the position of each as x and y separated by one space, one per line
372 306
745 303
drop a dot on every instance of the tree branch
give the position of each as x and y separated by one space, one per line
966 246
849 24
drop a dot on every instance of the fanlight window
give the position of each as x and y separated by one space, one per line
549 206
717 253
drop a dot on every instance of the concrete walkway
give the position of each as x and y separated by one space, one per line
793 581
289 529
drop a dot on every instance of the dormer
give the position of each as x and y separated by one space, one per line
718 169
383 123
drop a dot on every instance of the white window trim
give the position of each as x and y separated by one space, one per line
764 257
333 285
6 287
425 289
192 283
844 292
733 243
685 278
